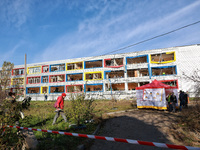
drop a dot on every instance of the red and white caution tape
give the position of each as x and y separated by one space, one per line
113 139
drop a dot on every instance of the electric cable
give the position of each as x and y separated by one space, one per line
153 37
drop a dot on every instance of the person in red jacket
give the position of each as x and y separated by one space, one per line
59 108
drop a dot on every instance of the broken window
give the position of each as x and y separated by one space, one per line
45 68
173 83
44 89
57 89
75 77
163 57
136 60
93 76
34 70
74 88
18 71
94 87
114 74
162 71
93 64
138 72
17 81
33 90
44 79
113 62
142 83
132 86
115 86
57 78
33 80
75 66
57 67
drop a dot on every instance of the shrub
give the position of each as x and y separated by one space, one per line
81 109
9 116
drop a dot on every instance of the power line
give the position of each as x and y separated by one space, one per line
86 59
153 38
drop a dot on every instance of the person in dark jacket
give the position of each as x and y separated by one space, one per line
182 100
186 99
59 108
173 101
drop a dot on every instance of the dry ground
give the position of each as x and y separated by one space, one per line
144 125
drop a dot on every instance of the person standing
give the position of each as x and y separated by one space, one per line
45 96
182 100
59 108
168 100
173 101
186 99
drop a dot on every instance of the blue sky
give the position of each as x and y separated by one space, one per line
50 30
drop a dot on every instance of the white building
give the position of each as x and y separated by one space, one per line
110 75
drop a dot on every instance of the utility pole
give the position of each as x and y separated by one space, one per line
25 77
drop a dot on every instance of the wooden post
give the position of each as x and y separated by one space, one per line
25 77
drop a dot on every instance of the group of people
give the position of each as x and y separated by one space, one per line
59 107
172 101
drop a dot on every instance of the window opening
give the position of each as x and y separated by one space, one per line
137 60
115 74
34 70
94 88
74 77
59 67
17 81
44 79
57 89
163 71
115 86
163 57
132 86
33 90
57 78
44 89
93 64
74 88
74 66
138 72
45 69
94 76
33 80
113 62
17 72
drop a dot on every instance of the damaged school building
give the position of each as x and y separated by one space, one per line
107 76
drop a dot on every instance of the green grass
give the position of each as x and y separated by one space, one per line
40 116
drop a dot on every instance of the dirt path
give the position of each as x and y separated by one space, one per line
144 125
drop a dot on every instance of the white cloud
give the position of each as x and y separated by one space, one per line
15 12
103 33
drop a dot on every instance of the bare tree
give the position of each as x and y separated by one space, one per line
194 77
5 75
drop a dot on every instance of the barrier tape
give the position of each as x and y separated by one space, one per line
113 139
